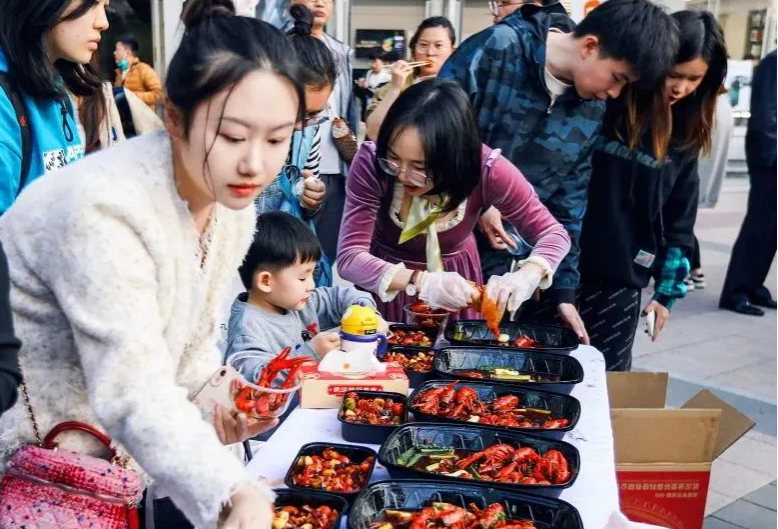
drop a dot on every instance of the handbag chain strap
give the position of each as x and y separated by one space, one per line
31 414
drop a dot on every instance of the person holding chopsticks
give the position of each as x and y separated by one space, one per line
431 45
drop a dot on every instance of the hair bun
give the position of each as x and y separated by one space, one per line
303 20
197 12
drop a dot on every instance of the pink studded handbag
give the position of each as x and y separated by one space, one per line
47 488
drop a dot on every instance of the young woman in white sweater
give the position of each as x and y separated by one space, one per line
118 267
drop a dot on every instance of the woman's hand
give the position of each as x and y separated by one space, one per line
662 316
447 290
510 290
314 191
233 427
401 70
250 509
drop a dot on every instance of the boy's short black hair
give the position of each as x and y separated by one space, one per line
636 31
376 53
281 240
131 42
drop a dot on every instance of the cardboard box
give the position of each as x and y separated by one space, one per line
326 390
664 456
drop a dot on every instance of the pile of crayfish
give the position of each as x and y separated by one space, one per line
410 337
420 362
499 463
424 316
331 471
375 410
305 517
450 516
465 405
258 404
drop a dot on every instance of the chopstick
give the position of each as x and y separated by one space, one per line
411 64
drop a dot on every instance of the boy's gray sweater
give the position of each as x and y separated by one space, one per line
255 335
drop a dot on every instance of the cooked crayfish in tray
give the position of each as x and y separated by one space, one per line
499 463
448 515
460 401
411 336
364 409
418 361
329 468
305 517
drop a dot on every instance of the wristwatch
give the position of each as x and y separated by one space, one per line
411 288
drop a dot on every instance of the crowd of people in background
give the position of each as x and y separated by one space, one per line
551 166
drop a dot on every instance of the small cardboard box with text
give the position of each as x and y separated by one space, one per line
323 389
664 456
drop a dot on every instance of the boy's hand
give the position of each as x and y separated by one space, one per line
324 342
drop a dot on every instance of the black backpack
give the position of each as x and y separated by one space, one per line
128 125
15 96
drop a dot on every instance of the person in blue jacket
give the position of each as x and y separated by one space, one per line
538 85
42 43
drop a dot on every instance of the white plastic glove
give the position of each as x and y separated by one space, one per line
446 290
512 289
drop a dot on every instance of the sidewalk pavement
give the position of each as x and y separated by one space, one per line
734 356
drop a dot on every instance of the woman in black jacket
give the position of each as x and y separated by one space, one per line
643 193
10 377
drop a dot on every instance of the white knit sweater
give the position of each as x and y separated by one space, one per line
118 319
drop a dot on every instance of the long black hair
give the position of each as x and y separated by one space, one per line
219 49
441 112
23 28
318 65
701 37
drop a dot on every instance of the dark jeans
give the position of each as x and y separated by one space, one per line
696 261
754 248
331 214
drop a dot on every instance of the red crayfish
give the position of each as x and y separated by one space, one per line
260 404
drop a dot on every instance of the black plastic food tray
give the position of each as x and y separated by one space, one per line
561 406
446 436
414 495
565 368
298 498
357 454
432 332
373 434
415 378
475 332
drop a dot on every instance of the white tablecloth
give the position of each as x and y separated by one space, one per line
594 493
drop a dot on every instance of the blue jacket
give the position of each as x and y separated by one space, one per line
502 70
55 139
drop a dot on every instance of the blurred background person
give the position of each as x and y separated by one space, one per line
134 74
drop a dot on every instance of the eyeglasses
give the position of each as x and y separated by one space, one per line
314 120
494 7
416 178
424 47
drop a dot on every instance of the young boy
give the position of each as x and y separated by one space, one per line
281 307
538 84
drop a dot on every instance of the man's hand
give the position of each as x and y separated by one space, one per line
572 319
314 192
662 315
491 226
232 427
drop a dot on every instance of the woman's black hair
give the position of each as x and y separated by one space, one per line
23 28
434 22
701 37
130 41
440 110
318 65
219 49
281 240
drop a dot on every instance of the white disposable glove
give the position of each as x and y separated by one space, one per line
446 290
512 289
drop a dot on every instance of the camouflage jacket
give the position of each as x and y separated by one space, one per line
502 70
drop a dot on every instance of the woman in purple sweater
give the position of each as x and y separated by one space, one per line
413 199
